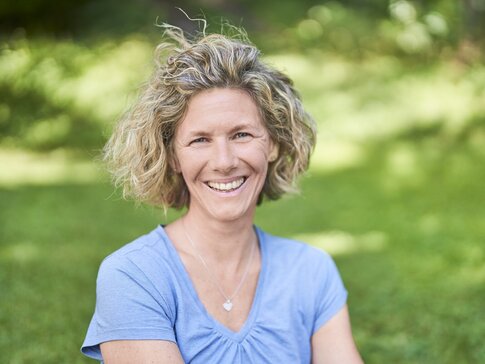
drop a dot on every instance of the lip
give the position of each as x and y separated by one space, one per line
226 181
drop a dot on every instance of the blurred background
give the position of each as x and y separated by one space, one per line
395 191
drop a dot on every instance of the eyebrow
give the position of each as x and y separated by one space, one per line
236 128
241 126
196 134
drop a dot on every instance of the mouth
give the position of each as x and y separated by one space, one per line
227 187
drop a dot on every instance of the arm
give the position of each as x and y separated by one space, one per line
333 342
141 351
133 320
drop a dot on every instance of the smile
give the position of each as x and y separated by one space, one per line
227 187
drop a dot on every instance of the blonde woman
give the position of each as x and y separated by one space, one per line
216 131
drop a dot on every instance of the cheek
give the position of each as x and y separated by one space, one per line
258 153
186 164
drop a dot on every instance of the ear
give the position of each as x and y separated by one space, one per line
273 151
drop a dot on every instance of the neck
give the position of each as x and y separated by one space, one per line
221 241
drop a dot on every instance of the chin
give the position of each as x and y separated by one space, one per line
231 214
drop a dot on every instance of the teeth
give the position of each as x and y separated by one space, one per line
226 186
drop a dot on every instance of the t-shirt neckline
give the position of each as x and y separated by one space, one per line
248 324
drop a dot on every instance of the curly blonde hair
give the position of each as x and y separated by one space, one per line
140 151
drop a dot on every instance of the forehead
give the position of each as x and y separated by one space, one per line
221 107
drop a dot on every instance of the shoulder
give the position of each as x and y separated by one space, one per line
145 261
141 268
144 250
141 245
310 277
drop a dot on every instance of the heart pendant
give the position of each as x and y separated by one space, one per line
227 305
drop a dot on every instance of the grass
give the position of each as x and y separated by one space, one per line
411 255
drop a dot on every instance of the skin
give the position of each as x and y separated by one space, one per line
333 342
222 140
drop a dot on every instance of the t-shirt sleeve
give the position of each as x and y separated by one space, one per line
128 307
331 294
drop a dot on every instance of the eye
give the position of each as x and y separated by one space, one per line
241 135
198 140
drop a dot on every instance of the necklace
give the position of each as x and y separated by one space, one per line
227 305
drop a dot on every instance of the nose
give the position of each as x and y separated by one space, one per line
224 158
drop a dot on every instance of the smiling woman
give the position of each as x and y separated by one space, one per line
216 130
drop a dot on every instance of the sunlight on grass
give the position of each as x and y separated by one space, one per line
402 168
430 224
30 168
341 242
335 155
472 275
25 252
20 252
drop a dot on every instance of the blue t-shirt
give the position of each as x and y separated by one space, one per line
145 293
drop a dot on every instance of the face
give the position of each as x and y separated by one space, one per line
222 150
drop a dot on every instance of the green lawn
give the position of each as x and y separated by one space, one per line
409 244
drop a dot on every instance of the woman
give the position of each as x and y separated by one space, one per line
216 131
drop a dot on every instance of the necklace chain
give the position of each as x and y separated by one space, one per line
228 303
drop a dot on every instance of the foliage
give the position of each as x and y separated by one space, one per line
61 93
78 18
66 93
402 27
